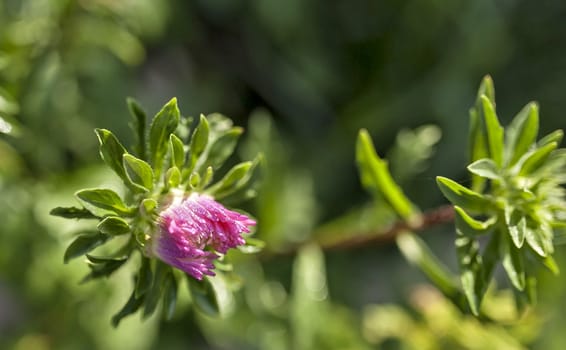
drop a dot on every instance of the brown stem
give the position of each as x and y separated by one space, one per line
431 218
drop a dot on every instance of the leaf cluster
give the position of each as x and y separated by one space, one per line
169 160
515 202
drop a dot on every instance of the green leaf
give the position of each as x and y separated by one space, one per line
103 267
194 180
204 297
477 141
132 305
170 295
477 145
533 160
138 126
154 294
113 226
138 172
177 151
199 141
551 264
462 196
173 177
252 246
486 88
222 148
522 133
84 244
490 258
471 227
485 168
535 242
375 176
470 267
72 213
232 180
516 225
207 178
494 131
149 205
102 202
513 263
555 136
164 124
416 252
111 151
144 278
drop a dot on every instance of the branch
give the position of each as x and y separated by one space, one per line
431 218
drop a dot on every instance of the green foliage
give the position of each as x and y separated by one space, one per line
518 199
147 187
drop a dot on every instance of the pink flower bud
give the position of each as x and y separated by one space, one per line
191 232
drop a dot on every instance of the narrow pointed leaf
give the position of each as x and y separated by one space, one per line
139 120
177 151
494 131
252 246
72 213
84 244
486 88
234 176
144 278
477 145
416 251
100 268
222 148
132 305
555 136
471 227
513 264
536 158
138 172
111 151
470 266
113 226
153 296
163 125
170 296
102 202
375 176
522 133
534 239
204 296
516 225
199 141
173 177
462 196
485 168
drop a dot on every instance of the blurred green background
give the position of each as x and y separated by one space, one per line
302 76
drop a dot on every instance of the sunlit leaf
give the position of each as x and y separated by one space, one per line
138 172
462 196
113 225
139 120
375 176
522 133
111 151
494 131
471 227
485 168
102 202
164 124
